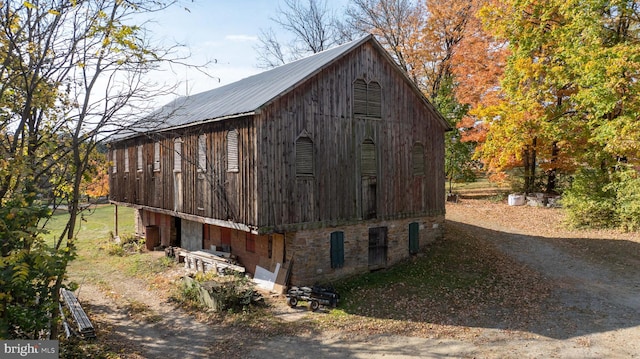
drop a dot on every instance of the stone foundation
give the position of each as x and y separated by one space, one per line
311 249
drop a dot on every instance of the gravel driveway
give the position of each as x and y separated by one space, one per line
593 311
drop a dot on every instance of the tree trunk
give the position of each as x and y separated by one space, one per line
551 173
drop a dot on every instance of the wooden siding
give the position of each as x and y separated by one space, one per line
323 108
213 193
265 193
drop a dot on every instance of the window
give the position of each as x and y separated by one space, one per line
251 242
417 159
126 160
337 249
232 151
414 237
156 156
114 161
202 153
177 155
367 98
140 159
304 156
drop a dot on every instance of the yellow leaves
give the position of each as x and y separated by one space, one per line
29 5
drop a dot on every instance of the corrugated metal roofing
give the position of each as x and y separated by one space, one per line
248 95
241 97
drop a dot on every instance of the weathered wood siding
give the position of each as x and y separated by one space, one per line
323 108
213 193
265 193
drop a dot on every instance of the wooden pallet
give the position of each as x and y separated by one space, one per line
204 261
85 328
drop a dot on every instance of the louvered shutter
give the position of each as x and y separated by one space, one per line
114 159
126 160
202 153
140 159
304 157
177 155
417 159
156 156
368 163
360 97
374 100
232 151
337 249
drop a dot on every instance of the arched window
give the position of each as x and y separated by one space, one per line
304 156
417 159
232 151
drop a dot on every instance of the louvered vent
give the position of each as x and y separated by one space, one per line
417 159
360 97
374 100
202 153
156 156
177 155
304 157
126 160
232 151
368 159
139 158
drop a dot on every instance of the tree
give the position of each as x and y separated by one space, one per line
458 153
571 92
72 71
396 23
314 28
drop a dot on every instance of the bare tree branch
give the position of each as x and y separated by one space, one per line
313 27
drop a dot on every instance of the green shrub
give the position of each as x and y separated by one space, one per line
588 201
627 189
602 199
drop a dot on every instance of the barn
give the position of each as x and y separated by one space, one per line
325 167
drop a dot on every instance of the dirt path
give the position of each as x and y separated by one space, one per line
142 323
593 312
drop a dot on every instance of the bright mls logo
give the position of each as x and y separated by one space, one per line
40 349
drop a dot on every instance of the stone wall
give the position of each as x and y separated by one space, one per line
311 249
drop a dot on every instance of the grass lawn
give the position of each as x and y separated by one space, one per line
97 254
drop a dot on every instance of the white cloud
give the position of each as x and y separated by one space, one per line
241 38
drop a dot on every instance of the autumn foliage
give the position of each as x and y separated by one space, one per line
544 89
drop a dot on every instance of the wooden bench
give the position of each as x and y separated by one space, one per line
85 328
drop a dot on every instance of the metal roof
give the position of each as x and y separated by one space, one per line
246 96
241 97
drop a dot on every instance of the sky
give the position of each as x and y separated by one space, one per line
224 31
